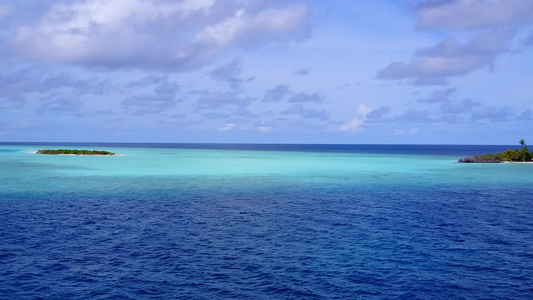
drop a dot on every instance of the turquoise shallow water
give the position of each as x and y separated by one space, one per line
311 223
24 171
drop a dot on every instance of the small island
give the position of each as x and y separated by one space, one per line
73 152
510 155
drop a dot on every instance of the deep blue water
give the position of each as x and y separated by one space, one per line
399 222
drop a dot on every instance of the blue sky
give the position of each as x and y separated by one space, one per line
267 71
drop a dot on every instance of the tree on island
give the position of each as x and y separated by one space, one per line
74 152
524 149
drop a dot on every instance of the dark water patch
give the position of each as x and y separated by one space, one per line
295 243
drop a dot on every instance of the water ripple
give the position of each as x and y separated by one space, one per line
294 243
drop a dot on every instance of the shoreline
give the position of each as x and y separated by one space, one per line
496 162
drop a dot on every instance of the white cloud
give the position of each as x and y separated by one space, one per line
264 129
400 132
363 110
226 127
151 34
271 24
352 125
356 123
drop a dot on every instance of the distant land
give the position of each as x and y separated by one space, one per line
510 155
73 152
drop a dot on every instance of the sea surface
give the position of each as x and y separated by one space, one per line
244 221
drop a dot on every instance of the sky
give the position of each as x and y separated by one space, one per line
267 71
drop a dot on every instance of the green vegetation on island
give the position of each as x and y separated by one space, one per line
74 152
510 155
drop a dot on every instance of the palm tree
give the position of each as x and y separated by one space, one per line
524 149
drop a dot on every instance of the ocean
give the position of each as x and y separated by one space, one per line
249 221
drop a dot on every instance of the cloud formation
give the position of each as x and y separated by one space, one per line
449 110
302 72
473 14
11 102
226 127
60 105
162 97
355 124
449 58
229 73
267 125
306 97
276 93
492 23
377 114
447 105
19 87
298 109
493 114
439 96
182 70
155 34
214 100
148 104
465 105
